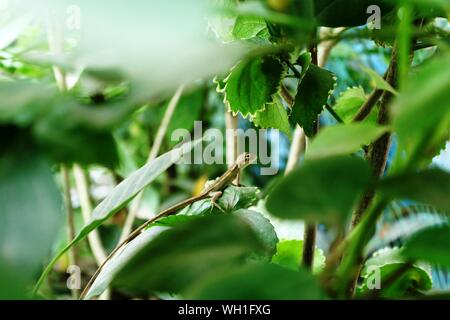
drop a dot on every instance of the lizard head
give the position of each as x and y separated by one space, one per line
246 159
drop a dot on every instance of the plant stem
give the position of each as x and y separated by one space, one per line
154 152
72 254
378 151
231 123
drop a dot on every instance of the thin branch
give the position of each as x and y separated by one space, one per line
378 153
82 185
368 106
70 220
154 152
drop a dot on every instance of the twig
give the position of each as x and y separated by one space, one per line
154 152
378 153
231 123
70 220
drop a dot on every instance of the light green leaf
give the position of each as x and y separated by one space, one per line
122 195
421 114
430 187
378 81
274 116
258 282
31 214
430 245
182 255
289 255
323 191
252 84
350 102
248 27
386 263
343 139
313 92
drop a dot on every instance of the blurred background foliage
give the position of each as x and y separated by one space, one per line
81 107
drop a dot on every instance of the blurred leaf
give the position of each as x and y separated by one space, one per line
349 103
313 93
336 13
248 27
386 263
430 245
30 216
289 255
274 116
424 106
257 282
252 84
186 253
123 194
323 191
378 81
22 109
431 187
343 139
12 30
113 266
263 229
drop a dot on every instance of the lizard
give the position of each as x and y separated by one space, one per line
212 190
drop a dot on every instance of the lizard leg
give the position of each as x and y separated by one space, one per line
214 197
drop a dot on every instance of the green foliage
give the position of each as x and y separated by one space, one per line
248 27
274 116
313 93
429 187
289 255
420 145
178 257
308 194
430 245
245 284
122 195
30 216
343 139
383 266
349 103
252 85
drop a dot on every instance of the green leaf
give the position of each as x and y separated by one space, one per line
235 198
323 191
337 13
274 116
313 93
258 282
122 195
385 264
350 102
252 84
378 81
430 245
248 27
31 214
22 109
113 266
425 107
289 255
429 187
182 255
262 228
343 139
